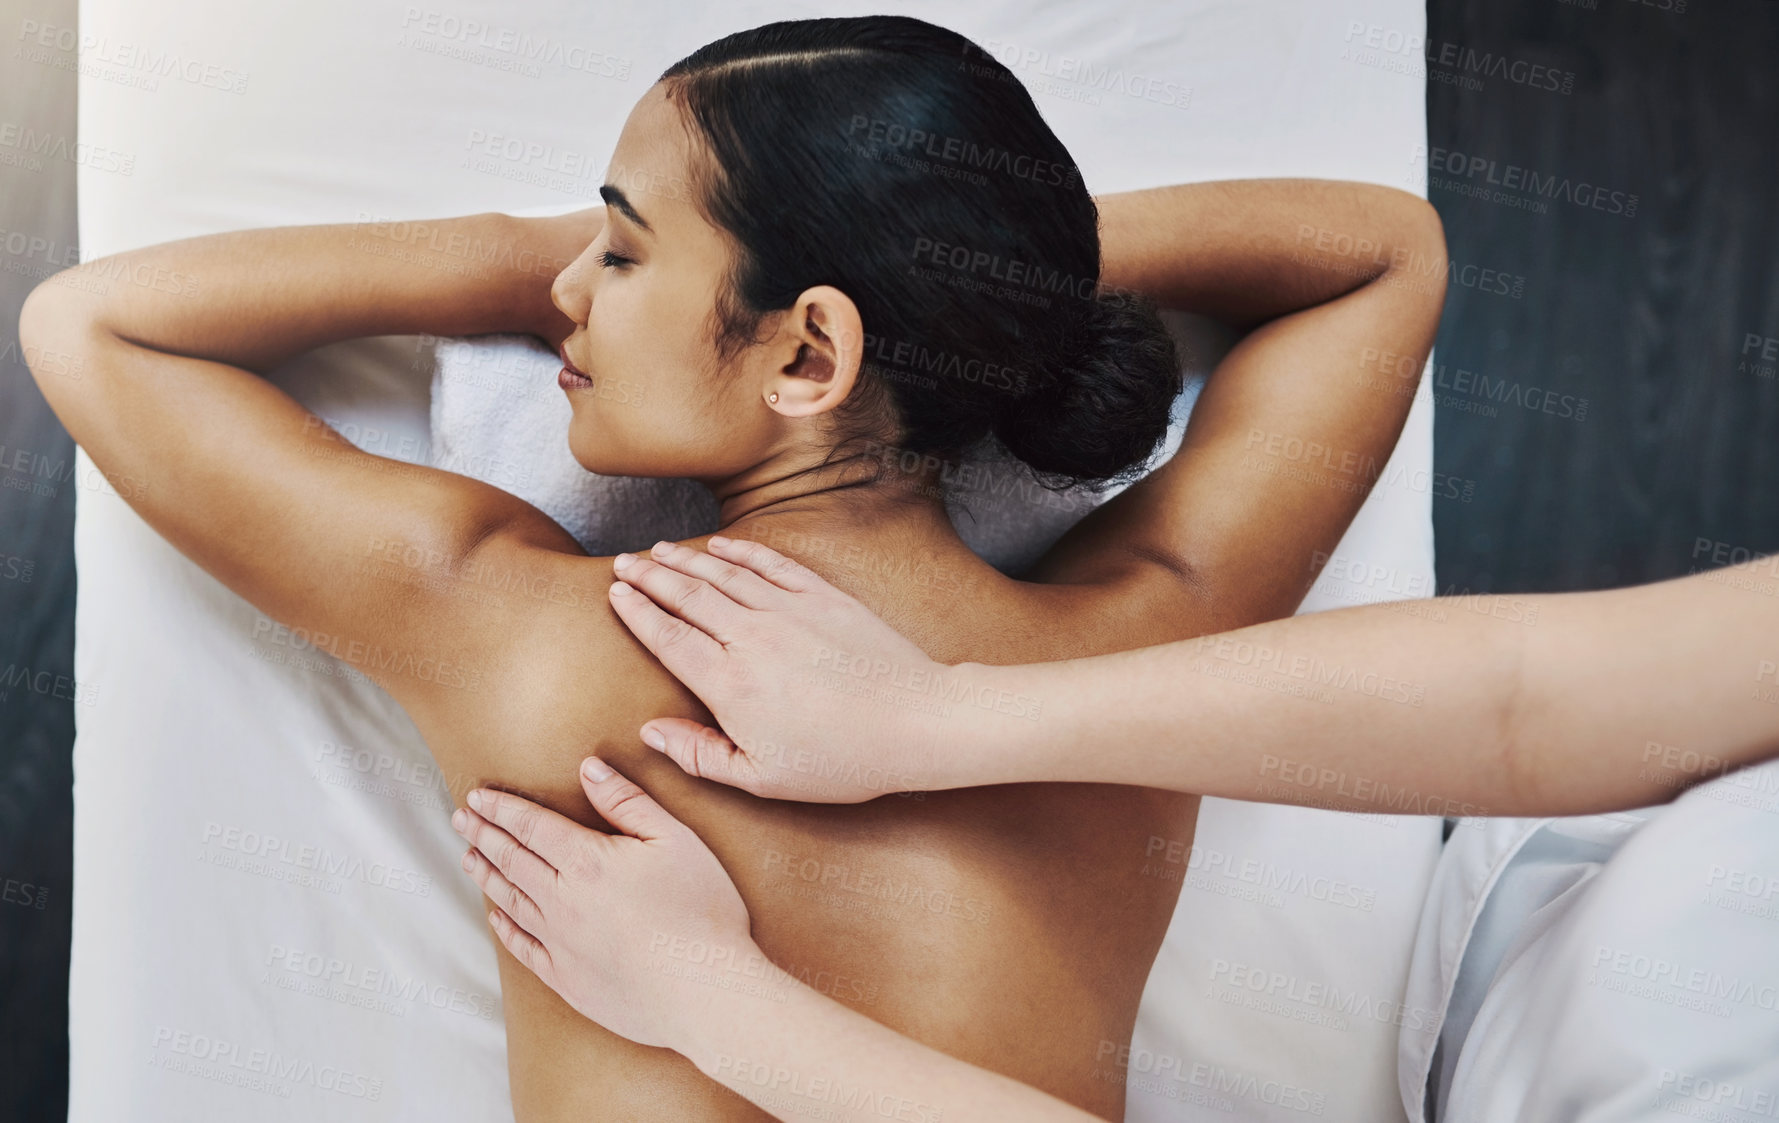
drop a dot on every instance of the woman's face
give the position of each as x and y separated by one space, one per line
642 296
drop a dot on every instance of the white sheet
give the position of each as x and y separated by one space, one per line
269 920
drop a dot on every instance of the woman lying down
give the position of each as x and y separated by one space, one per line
776 279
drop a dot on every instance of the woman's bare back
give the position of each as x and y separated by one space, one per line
957 917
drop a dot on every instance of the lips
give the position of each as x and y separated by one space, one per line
571 377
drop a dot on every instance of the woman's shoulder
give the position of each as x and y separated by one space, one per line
559 677
536 610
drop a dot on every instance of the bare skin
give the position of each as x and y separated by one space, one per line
956 918
1552 723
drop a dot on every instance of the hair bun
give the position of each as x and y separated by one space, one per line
819 118
1100 400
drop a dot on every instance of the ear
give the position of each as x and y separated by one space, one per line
826 343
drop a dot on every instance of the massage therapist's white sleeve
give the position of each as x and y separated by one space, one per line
1607 969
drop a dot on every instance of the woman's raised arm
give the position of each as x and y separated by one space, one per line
242 479
254 298
1340 286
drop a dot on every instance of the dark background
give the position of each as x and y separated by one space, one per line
36 618
1645 317
1668 466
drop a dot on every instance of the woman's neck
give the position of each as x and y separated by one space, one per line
853 494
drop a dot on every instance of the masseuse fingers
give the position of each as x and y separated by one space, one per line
624 805
502 892
770 564
700 751
525 947
509 837
743 586
689 654
688 598
550 836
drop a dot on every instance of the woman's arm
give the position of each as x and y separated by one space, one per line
254 298
1559 704
1340 286
626 926
245 481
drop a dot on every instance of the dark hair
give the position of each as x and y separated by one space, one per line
900 163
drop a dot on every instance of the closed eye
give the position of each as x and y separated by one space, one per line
612 260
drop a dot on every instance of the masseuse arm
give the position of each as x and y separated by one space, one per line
244 480
1339 286
631 928
1557 704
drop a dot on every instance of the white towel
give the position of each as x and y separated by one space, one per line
498 415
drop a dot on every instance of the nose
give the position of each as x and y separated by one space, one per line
570 291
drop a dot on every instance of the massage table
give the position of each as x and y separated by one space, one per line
269 917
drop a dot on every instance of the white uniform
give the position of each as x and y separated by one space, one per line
1604 968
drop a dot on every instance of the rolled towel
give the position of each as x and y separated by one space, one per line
497 415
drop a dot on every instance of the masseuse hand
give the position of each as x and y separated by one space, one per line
554 882
819 699
596 917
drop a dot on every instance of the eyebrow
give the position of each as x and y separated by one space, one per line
615 197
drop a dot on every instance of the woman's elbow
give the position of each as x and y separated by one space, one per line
56 327
1419 265
1428 231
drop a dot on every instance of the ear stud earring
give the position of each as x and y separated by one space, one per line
773 397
